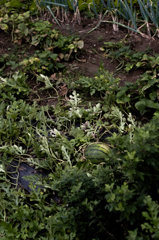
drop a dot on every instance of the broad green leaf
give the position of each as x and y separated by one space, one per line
146 215
149 84
151 104
35 40
154 62
120 94
126 99
53 56
139 64
153 95
145 57
4 26
71 46
21 18
140 105
129 66
26 14
26 31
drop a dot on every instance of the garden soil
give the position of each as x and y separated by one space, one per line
89 60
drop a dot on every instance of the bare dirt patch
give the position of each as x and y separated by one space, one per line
89 60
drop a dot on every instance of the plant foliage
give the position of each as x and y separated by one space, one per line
76 199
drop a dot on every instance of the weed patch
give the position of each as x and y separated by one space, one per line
48 189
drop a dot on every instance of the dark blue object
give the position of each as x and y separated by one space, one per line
17 172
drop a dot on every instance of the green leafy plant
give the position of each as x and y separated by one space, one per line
146 100
152 216
16 83
18 5
53 46
142 94
103 82
78 199
127 58
149 12
41 62
114 194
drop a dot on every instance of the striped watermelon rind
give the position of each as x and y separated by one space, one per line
96 152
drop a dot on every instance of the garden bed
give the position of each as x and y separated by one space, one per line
62 89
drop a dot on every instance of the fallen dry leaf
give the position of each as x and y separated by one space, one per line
63 90
53 76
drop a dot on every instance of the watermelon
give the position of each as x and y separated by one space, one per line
96 152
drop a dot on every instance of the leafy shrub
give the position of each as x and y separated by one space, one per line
103 83
118 198
20 5
53 47
118 193
142 94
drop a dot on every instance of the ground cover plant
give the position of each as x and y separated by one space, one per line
53 105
